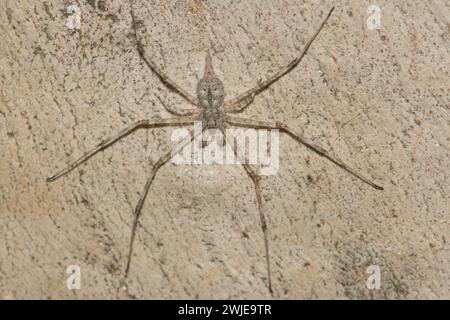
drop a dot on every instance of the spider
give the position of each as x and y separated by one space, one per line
214 112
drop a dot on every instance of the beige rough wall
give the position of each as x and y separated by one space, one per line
379 99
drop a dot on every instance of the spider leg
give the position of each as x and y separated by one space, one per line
159 72
243 100
107 142
249 123
137 212
256 179
239 104
178 112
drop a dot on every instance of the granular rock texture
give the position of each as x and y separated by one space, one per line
376 97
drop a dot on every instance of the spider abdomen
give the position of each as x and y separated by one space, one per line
211 94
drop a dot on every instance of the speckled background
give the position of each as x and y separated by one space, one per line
378 99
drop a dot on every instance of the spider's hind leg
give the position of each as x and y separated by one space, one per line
137 212
256 180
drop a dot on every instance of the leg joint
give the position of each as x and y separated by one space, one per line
280 125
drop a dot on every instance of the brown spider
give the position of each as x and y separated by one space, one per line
214 113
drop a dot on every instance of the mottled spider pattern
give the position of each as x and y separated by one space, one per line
211 108
211 94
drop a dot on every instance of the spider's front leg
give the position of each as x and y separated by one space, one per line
255 124
162 161
243 100
239 103
172 85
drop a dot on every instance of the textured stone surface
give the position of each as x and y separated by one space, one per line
376 98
